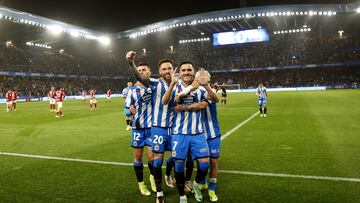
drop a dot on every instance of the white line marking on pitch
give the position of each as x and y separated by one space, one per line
238 126
344 179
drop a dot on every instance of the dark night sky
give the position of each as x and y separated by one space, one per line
120 15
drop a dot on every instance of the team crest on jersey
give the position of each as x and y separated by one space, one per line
156 147
173 153
135 143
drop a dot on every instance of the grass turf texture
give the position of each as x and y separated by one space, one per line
306 133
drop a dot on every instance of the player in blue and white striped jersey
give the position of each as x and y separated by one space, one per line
262 99
138 104
212 134
188 131
127 118
162 120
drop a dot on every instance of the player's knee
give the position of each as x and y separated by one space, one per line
179 166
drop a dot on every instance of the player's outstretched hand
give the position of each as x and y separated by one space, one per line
175 76
202 76
130 56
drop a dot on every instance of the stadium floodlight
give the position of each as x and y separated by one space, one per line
275 32
334 13
305 13
22 20
286 31
320 13
259 27
288 13
301 30
271 13
358 10
74 33
55 29
1 16
234 29
104 40
290 31
297 13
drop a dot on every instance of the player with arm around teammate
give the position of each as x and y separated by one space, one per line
188 134
162 120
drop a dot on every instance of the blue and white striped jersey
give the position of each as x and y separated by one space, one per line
210 121
261 92
162 115
140 98
125 91
188 122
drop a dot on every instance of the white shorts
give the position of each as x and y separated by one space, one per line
14 101
9 103
59 104
52 101
108 97
83 98
92 101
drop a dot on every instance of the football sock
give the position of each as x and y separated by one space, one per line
179 177
158 173
139 171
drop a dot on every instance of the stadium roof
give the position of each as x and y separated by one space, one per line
241 18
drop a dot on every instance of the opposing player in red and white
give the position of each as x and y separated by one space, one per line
60 96
8 100
13 99
83 94
108 96
92 99
51 95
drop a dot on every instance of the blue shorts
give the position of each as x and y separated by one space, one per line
140 138
262 101
214 147
161 139
181 145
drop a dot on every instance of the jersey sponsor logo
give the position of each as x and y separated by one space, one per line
215 151
173 153
203 150
135 143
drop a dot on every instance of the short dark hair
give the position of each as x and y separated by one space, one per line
186 62
143 64
165 60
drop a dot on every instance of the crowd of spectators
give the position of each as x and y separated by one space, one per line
282 50
332 77
40 86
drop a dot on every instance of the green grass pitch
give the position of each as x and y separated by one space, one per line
306 133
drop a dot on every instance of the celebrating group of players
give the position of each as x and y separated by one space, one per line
177 113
